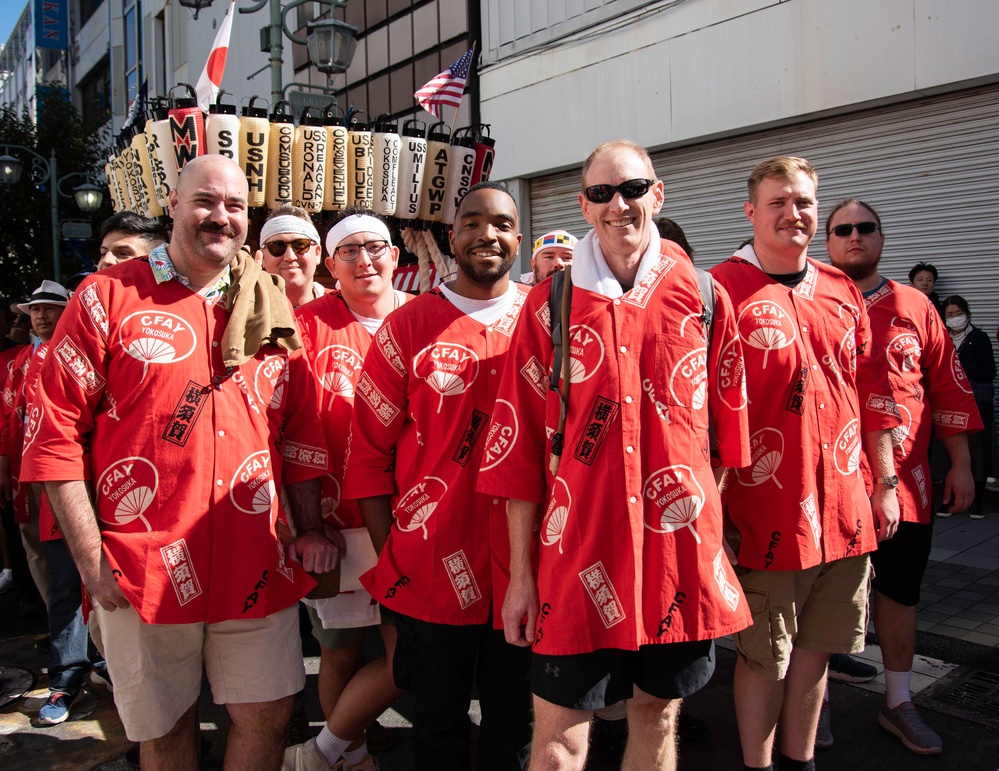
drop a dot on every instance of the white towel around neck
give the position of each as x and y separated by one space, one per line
590 269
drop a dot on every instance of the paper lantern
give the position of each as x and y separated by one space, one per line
279 147
126 194
485 154
187 127
140 150
132 174
360 190
254 136
385 145
412 162
116 200
161 157
222 129
335 181
435 175
459 173
308 162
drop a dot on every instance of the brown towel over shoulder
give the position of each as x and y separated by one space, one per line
259 312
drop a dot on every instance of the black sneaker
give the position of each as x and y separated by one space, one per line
847 669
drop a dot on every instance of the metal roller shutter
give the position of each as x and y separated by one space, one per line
930 167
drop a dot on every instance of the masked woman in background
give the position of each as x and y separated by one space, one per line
974 349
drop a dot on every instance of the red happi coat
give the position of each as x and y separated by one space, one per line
927 384
15 403
630 527
185 456
815 386
335 345
423 402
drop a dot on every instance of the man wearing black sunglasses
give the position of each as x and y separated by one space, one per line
290 248
818 394
923 368
632 584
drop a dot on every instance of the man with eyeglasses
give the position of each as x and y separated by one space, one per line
631 585
290 248
929 387
818 395
337 330
418 438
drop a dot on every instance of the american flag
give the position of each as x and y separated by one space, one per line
447 87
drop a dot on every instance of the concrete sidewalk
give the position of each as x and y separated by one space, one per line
956 686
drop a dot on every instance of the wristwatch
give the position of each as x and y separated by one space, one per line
891 481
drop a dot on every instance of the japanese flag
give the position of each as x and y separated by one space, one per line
211 76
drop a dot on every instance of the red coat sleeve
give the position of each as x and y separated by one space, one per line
728 398
302 426
872 376
947 387
71 384
519 471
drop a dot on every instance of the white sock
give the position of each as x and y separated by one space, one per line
897 688
354 757
331 747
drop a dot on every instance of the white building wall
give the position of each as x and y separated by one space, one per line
17 69
92 42
680 72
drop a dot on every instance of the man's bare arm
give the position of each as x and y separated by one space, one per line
521 599
884 500
959 486
311 547
377 513
70 502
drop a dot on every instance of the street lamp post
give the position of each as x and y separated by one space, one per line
88 197
333 38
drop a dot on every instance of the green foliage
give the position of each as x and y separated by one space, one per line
25 208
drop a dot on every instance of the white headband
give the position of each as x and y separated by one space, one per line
355 223
289 223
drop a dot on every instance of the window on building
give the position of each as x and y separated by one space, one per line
159 27
131 53
95 96
88 8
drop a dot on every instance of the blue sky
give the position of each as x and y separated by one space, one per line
10 12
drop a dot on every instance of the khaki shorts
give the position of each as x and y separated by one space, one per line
822 608
156 668
333 639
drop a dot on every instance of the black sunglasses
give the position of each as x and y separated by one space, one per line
864 228
277 248
633 188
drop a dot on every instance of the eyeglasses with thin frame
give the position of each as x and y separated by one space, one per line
846 229
350 252
633 188
300 246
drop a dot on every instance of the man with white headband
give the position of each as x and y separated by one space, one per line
290 247
336 331
551 252
418 438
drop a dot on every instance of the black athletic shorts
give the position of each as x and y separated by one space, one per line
594 680
899 563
